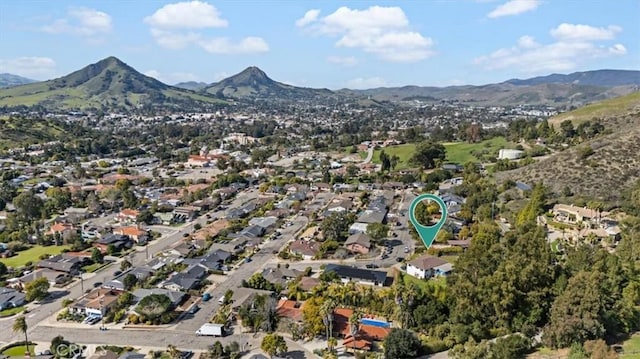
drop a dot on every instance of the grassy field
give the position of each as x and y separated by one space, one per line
31 255
607 108
458 152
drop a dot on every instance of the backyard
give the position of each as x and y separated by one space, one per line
32 254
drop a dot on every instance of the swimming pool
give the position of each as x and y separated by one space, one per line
375 323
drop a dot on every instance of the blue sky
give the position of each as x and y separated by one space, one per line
332 44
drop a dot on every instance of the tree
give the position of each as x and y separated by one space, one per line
427 154
401 344
153 306
173 352
576 313
273 344
28 206
37 289
312 317
377 231
145 217
96 256
125 264
3 269
335 227
129 281
20 325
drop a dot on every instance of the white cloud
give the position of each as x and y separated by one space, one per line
171 78
584 32
309 17
179 25
562 55
365 83
514 7
249 45
193 14
382 31
81 21
343 61
31 67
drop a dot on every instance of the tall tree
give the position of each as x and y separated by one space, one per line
273 344
427 154
20 325
37 289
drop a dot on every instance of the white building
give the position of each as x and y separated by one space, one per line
508 154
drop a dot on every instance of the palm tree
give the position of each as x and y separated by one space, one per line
20 325
327 308
173 352
332 343
354 322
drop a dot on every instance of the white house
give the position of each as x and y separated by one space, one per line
424 267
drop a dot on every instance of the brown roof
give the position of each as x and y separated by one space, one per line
308 248
427 262
129 212
290 309
131 231
308 283
213 229
60 227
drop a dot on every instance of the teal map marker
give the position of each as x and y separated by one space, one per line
427 233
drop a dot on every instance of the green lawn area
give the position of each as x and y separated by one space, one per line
437 282
19 351
631 347
461 152
458 152
11 311
554 246
31 255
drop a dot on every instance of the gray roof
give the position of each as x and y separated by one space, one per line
264 222
359 238
175 297
357 273
372 216
11 297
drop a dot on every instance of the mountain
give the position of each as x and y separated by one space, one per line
191 85
108 85
505 94
10 80
593 168
253 83
603 78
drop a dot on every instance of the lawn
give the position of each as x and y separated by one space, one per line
31 255
458 152
424 285
462 152
11 311
19 351
631 346
95 267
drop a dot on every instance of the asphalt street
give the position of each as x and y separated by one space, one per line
48 307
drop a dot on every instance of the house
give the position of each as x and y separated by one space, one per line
98 302
306 249
141 273
185 213
453 167
358 227
253 231
64 263
291 309
77 214
280 275
128 215
358 275
574 214
176 297
451 200
164 218
308 283
62 229
358 243
114 284
243 295
443 270
359 336
11 298
424 267
266 223
186 280
55 278
211 261
118 241
135 233
372 216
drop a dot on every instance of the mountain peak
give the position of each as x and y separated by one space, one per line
255 73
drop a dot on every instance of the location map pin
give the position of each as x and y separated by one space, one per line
427 233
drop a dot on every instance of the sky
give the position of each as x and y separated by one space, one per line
323 44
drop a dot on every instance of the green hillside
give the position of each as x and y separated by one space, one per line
108 85
604 109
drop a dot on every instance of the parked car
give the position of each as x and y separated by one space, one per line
206 297
399 259
194 309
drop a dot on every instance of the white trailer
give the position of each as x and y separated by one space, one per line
211 329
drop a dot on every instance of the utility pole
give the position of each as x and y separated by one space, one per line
81 283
